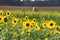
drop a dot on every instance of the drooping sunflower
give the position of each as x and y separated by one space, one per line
44 24
37 27
5 19
15 34
14 21
51 24
1 13
8 13
20 20
1 19
51 33
57 30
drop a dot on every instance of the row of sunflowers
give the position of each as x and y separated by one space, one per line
29 25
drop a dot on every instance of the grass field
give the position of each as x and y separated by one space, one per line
29 25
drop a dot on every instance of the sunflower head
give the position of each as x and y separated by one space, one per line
14 21
15 34
26 18
34 20
37 27
44 24
5 19
8 13
1 13
58 28
51 24
33 23
27 24
51 33
19 20
56 32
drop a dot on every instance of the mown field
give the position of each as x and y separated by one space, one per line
29 25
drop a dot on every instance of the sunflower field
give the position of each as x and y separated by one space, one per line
29 25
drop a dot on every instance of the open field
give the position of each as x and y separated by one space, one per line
29 25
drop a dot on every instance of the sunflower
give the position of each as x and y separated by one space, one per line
1 19
5 19
14 21
27 24
44 24
26 18
19 20
57 30
51 24
51 33
1 13
8 13
15 34
34 19
37 27
33 23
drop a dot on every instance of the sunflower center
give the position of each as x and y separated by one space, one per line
0 18
5 19
34 20
8 13
51 24
36 26
19 20
14 21
44 24
31 26
58 29
27 24
0 13
26 18
32 23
